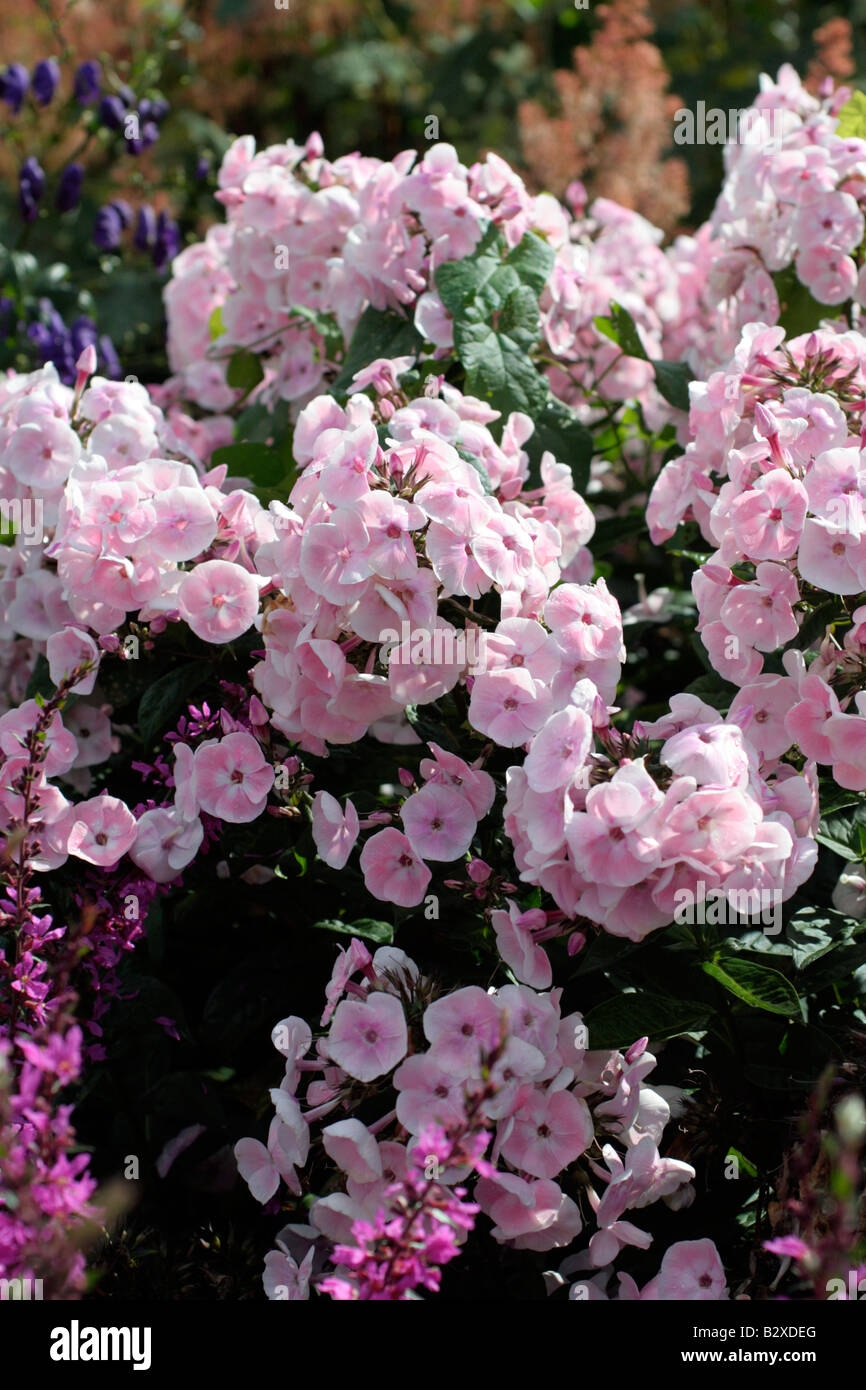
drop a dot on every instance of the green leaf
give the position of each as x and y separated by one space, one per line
697 557
852 118
255 424
264 466
809 937
485 279
40 682
215 323
325 324
365 927
614 529
519 318
619 1021
244 370
713 691
756 985
838 847
559 432
842 834
743 1162
533 260
459 281
163 701
799 312
672 380
380 333
483 475
498 369
621 328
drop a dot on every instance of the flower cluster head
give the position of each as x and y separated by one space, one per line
329 237
119 110
616 834
498 1083
381 547
793 200
45 1186
775 475
128 515
124 513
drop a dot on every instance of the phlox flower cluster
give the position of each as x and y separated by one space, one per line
107 510
615 826
330 237
455 1075
381 545
775 475
792 200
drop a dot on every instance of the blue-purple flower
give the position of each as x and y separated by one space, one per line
145 228
88 81
112 112
31 185
13 85
108 228
168 241
46 80
69 188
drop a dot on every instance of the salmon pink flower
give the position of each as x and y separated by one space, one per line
165 844
460 1027
66 650
761 613
518 948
